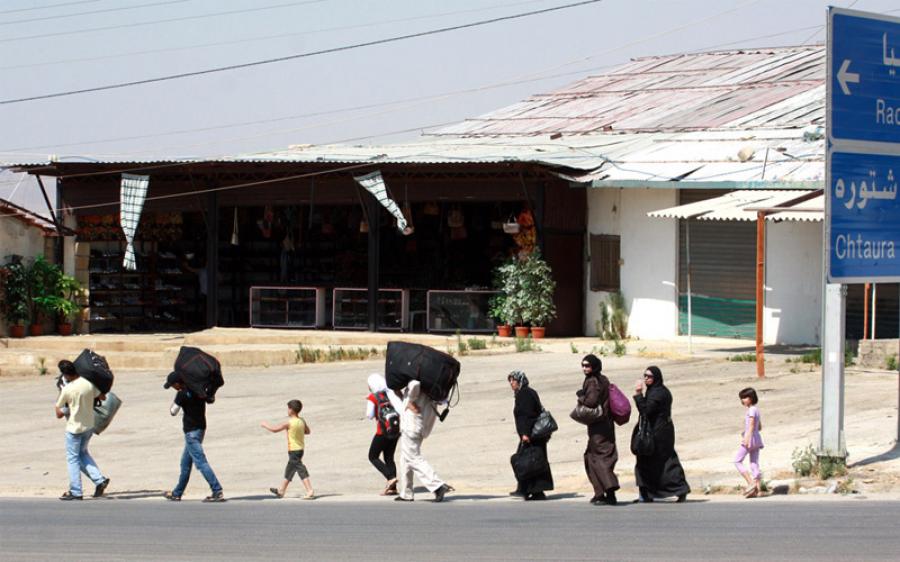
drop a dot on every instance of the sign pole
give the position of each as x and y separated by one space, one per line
831 442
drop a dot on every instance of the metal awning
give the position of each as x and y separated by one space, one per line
743 205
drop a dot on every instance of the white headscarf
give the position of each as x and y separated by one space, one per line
377 384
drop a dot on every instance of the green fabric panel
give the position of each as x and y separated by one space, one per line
718 317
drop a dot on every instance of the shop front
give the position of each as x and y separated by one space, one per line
303 245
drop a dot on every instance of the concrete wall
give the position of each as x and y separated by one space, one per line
793 312
17 238
649 251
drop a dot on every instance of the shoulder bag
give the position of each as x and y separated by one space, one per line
585 415
642 444
544 426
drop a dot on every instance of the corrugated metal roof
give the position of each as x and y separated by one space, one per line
742 206
737 89
812 210
739 118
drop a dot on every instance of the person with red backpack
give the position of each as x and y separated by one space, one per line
601 455
384 406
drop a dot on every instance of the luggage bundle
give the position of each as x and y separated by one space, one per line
200 371
95 369
436 371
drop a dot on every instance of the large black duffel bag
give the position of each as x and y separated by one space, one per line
95 369
200 371
435 370
529 461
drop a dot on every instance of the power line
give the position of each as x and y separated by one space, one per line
301 55
119 9
263 37
154 22
46 6
540 75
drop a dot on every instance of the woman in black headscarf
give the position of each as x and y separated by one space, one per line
601 456
526 411
658 475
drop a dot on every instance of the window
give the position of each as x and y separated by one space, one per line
604 262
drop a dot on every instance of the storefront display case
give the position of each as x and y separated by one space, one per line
287 307
350 309
464 311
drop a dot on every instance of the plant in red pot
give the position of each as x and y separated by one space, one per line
42 280
14 304
537 288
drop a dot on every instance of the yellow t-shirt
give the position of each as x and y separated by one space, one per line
295 434
79 395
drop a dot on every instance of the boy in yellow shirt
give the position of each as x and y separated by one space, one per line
296 429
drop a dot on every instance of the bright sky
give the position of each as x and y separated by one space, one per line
373 94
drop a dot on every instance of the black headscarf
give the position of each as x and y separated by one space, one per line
657 375
596 364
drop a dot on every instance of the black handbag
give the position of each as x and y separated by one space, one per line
528 462
585 415
544 426
642 444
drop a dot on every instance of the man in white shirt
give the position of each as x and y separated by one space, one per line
78 396
416 424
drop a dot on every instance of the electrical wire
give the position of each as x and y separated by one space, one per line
264 37
300 55
155 22
46 6
540 75
106 10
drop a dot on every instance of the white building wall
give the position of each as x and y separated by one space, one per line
20 239
792 313
649 251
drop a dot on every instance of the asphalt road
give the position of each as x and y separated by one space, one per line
461 528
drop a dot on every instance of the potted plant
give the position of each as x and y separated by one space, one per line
537 288
497 305
42 279
14 305
507 278
64 303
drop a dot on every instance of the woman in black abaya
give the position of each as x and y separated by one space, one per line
526 411
658 475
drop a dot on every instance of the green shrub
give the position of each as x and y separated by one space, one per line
461 346
827 467
748 357
803 460
891 363
476 343
619 348
573 347
525 344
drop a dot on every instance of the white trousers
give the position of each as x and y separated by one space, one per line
412 462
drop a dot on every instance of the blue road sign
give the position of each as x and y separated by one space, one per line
862 212
865 77
865 216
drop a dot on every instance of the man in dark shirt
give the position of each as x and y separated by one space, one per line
194 425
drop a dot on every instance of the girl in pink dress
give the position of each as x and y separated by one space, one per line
751 443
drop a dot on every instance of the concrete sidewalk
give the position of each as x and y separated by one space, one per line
254 347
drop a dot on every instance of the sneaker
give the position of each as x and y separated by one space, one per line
69 497
276 492
101 487
216 497
402 499
536 497
172 497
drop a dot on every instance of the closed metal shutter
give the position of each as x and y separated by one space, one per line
723 281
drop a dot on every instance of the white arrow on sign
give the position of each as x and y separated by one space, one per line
844 77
